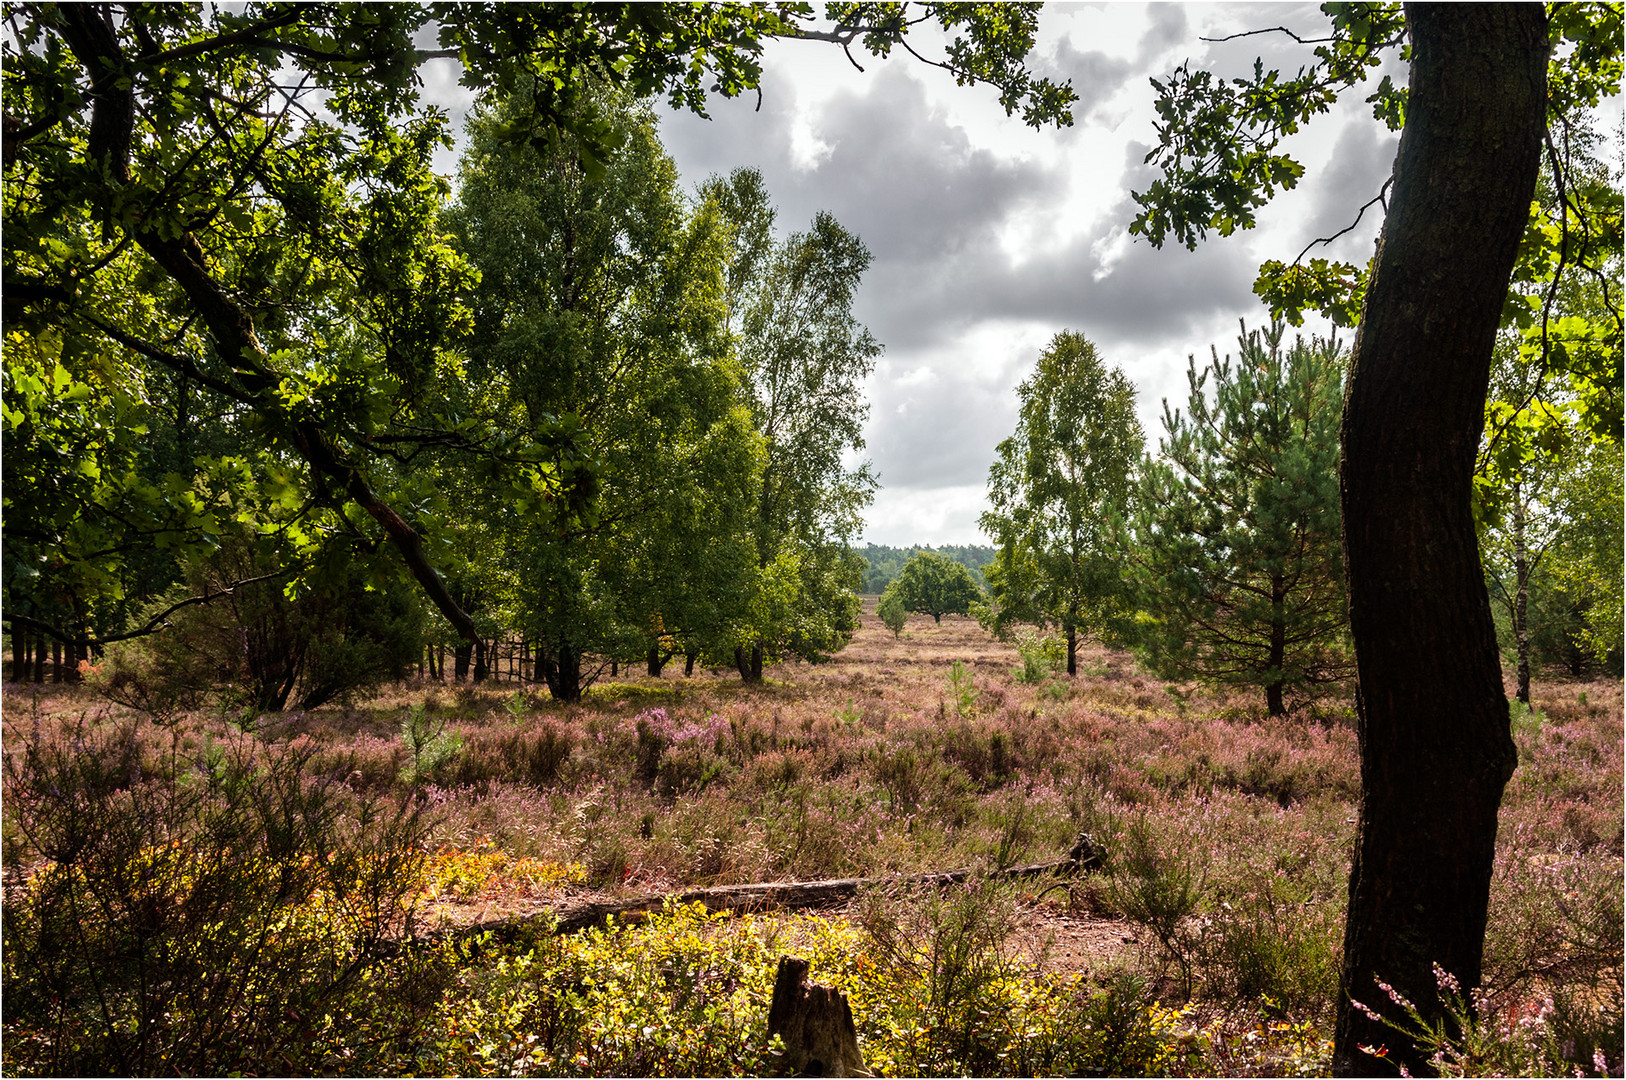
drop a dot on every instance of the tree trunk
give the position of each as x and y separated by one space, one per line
656 661
1072 651
1521 595
56 661
19 655
1433 724
562 670
1278 646
688 662
461 655
815 1024
749 662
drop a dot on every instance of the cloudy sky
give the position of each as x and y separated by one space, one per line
989 238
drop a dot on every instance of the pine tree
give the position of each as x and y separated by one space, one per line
1238 565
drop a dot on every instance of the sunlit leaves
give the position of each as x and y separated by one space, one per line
1218 140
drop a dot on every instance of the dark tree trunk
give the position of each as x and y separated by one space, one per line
615 668
749 662
1072 651
39 658
688 663
1433 724
19 655
460 660
1278 646
657 661
56 661
561 669
482 669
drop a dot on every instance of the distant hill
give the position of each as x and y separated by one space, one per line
885 562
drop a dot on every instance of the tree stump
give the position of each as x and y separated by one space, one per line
815 1023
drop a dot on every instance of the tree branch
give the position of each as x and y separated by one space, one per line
153 625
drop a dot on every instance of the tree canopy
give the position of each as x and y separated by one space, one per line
934 585
1055 489
1239 572
231 211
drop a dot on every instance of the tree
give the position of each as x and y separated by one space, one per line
599 308
1435 745
935 585
1053 491
804 357
1240 576
894 615
238 201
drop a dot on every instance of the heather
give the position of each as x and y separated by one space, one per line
358 837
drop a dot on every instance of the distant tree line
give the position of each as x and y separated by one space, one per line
883 563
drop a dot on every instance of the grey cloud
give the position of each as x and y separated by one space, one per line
944 434
911 184
1361 162
1168 29
1096 77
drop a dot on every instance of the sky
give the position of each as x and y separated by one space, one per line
989 237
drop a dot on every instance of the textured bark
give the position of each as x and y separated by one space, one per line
1072 651
1435 747
815 1023
561 669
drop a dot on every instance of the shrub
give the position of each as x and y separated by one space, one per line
259 647
429 746
894 615
205 920
1158 890
1042 655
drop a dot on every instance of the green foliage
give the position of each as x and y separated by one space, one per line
1053 491
892 611
429 746
802 354
934 585
685 993
1236 527
963 689
346 627
233 241
882 563
576 279
1220 155
1042 654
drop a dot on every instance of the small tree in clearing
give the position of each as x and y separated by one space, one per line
892 611
934 585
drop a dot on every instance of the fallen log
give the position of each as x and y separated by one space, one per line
776 894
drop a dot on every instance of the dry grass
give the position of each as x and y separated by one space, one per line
1228 834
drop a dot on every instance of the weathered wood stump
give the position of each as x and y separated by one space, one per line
816 1024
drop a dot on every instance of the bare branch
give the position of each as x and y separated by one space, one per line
153 625
1381 196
